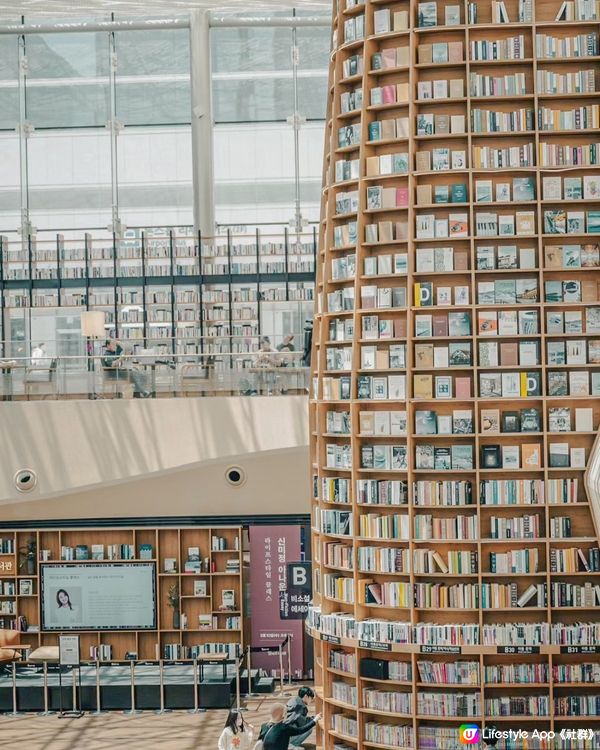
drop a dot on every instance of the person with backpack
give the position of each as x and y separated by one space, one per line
297 714
236 735
276 734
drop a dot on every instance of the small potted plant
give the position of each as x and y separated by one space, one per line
28 557
173 599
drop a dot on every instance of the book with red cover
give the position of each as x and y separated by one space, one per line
440 325
389 94
402 196
509 354
462 388
400 328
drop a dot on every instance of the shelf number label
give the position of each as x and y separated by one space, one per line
375 645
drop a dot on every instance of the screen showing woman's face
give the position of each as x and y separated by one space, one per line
63 598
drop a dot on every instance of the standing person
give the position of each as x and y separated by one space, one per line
276 734
116 368
236 735
297 714
308 335
38 355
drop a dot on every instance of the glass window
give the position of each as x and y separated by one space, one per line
252 100
153 77
252 74
155 176
10 182
254 173
9 85
67 80
69 179
250 48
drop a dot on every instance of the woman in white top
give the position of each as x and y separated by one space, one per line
237 735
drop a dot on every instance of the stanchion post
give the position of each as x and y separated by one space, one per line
46 711
14 687
132 673
161 679
289 659
249 669
74 691
195 684
98 700
238 664
281 668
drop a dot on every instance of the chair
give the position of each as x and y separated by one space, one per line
10 653
195 378
117 387
9 638
45 655
41 380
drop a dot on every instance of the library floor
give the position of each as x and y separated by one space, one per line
178 730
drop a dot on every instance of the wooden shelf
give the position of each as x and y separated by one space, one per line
166 542
462 271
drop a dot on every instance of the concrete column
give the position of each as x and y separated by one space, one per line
202 123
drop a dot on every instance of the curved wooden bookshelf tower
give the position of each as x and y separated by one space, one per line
456 377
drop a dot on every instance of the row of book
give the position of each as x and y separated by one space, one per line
495 674
383 560
459 562
344 625
381 491
108 552
574 560
387 701
343 661
448 704
102 652
174 651
523 705
427 493
510 48
577 705
344 692
7 546
336 555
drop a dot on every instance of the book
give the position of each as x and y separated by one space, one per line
427 14
490 420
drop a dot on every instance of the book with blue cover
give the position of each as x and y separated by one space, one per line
523 189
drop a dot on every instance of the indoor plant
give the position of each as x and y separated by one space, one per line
173 598
28 557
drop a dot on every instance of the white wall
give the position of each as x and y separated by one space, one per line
155 457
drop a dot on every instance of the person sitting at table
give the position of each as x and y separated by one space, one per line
38 355
287 345
116 368
266 357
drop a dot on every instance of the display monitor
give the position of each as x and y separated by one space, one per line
98 596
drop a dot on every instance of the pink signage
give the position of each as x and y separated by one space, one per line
271 549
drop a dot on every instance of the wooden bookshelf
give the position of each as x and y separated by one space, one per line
176 293
494 333
165 542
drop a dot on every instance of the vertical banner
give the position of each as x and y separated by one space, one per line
294 601
271 549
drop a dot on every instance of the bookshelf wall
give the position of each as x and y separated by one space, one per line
455 397
175 294
200 583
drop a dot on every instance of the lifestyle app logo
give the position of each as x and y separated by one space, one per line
469 734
